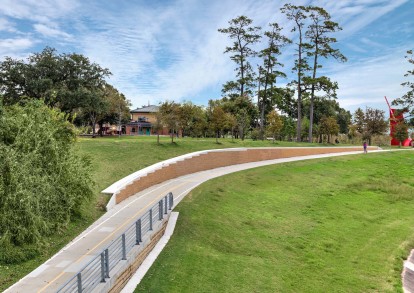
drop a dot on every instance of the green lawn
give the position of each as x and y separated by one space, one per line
112 159
340 224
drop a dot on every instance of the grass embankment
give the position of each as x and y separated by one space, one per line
113 159
340 224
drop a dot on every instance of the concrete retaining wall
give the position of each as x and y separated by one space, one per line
408 274
125 269
206 160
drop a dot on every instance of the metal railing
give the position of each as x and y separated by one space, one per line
99 268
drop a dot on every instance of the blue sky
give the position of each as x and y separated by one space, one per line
158 50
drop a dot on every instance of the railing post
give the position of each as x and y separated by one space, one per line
150 219
166 204
171 200
102 267
123 247
107 263
138 234
160 210
79 282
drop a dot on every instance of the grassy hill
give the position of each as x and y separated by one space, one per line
340 224
115 158
112 158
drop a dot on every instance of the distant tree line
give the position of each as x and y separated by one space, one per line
308 101
69 82
304 110
314 29
235 118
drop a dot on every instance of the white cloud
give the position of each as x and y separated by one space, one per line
50 31
147 57
18 44
7 26
372 43
366 83
13 47
354 15
37 10
174 51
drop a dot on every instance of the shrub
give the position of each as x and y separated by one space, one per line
256 134
43 182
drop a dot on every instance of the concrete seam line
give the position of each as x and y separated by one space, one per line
152 256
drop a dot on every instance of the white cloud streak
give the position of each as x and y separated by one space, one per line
37 10
52 32
7 26
10 45
367 82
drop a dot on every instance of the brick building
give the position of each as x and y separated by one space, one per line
142 120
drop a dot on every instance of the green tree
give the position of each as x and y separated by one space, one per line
344 120
375 123
231 123
43 182
304 127
328 108
275 124
94 107
199 124
284 100
328 126
401 132
359 120
244 36
353 133
319 45
12 80
268 73
288 129
244 111
187 113
170 117
80 77
61 81
243 122
297 14
407 100
217 120
157 125
117 110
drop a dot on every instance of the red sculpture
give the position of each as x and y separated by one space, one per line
396 116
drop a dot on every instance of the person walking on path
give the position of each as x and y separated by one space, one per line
365 147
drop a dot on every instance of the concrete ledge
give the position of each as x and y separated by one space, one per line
206 160
408 274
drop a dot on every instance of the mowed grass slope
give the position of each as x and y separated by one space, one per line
340 224
113 158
